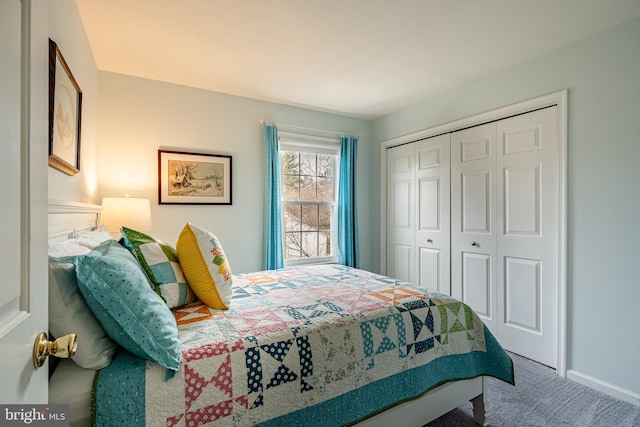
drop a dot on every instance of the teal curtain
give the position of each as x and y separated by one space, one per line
348 252
272 253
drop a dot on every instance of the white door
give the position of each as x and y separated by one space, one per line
527 191
23 220
401 206
433 249
473 223
505 229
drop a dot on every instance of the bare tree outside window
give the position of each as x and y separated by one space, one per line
308 196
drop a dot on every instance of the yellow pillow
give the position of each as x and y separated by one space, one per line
205 266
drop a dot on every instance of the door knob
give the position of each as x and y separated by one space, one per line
64 347
476 244
429 241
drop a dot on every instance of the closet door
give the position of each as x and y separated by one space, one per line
401 207
527 191
473 223
433 213
504 231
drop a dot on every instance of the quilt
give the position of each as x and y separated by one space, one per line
321 345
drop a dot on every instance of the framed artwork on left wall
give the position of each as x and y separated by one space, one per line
65 114
191 178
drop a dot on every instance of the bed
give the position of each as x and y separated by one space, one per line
315 346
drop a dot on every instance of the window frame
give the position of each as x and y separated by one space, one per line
317 145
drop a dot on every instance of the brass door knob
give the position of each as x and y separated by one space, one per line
64 347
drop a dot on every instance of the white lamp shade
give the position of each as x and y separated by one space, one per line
130 212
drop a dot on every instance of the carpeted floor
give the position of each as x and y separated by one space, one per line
542 398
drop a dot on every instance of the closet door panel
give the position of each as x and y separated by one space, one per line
402 200
522 204
476 282
402 257
476 201
433 213
429 207
401 206
473 228
429 270
476 144
527 243
522 293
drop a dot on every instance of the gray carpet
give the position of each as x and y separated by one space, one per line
542 398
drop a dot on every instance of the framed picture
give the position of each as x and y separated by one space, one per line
65 113
193 178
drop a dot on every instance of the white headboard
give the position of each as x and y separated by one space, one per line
67 217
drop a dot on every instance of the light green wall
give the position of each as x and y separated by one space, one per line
66 29
138 116
602 75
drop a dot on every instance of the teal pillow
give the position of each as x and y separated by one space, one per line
132 314
159 261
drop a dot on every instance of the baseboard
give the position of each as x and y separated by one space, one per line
604 387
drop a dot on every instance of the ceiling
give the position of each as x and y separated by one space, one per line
359 58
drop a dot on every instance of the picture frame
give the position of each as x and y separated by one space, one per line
192 178
65 114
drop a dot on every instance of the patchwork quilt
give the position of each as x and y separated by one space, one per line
323 345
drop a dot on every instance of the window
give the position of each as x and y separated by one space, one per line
309 193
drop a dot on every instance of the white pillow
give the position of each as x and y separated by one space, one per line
66 248
69 313
91 239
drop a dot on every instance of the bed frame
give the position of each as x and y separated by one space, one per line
68 218
435 404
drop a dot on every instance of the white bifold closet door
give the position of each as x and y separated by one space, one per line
504 233
401 216
473 208
418 213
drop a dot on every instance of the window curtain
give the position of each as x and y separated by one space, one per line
272 253
348 253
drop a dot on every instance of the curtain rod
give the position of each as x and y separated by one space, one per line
266 122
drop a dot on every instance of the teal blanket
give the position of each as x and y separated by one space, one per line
313 346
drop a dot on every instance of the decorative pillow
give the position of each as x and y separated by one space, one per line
69 313
159 261
205 266
117 291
